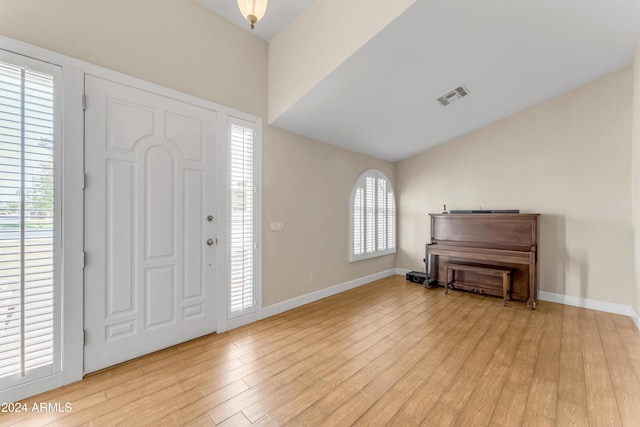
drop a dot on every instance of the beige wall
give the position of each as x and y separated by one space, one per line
568 159
316 237
183 46
636 175
319 40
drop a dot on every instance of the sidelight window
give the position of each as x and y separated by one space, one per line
242 217
29 221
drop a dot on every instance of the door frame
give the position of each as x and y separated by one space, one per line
73 256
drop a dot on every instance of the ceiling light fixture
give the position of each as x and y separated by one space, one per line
253 10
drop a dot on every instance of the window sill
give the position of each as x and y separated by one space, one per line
355 258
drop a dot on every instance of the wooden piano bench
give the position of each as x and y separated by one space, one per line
490 270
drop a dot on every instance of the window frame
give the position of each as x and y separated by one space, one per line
251 198
31 67
70 230
390 215
225 321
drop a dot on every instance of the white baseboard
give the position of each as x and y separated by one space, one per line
635 317
609 307
283 306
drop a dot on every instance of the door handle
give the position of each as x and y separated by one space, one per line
209 242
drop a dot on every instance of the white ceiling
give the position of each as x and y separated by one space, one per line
279 14
510 54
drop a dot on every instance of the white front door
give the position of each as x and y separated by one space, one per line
150 230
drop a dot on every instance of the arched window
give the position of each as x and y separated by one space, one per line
373 216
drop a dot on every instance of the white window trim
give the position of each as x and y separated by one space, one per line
377 253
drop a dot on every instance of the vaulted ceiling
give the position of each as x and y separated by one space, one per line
510 55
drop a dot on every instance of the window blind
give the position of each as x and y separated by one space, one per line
373 221
27 272
242 298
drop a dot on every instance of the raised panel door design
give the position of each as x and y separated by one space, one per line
127 123
193 260
160 204
120 286
159 288
189 132
150 164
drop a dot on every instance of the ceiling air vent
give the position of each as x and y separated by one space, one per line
453 95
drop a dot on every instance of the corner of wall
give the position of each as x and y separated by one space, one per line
635 182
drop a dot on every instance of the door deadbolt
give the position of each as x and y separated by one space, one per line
210 218
209 242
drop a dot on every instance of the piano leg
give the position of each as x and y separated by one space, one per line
449 282
506 285
533 284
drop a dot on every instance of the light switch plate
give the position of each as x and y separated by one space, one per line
277 226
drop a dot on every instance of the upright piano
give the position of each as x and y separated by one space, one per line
492 239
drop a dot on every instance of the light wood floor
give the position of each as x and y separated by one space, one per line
388 353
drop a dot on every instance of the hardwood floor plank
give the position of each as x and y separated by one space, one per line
623 376
437 345
572 414
150 408
543 394
350 411
623 322
418 406
386 353
201 421
164 422
479 409
441 415
601 400
237 403
465 382
319 373
312 416
356 382
238 420
200 407
511 405
262 407
538 420
41 419
543 397
110 406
